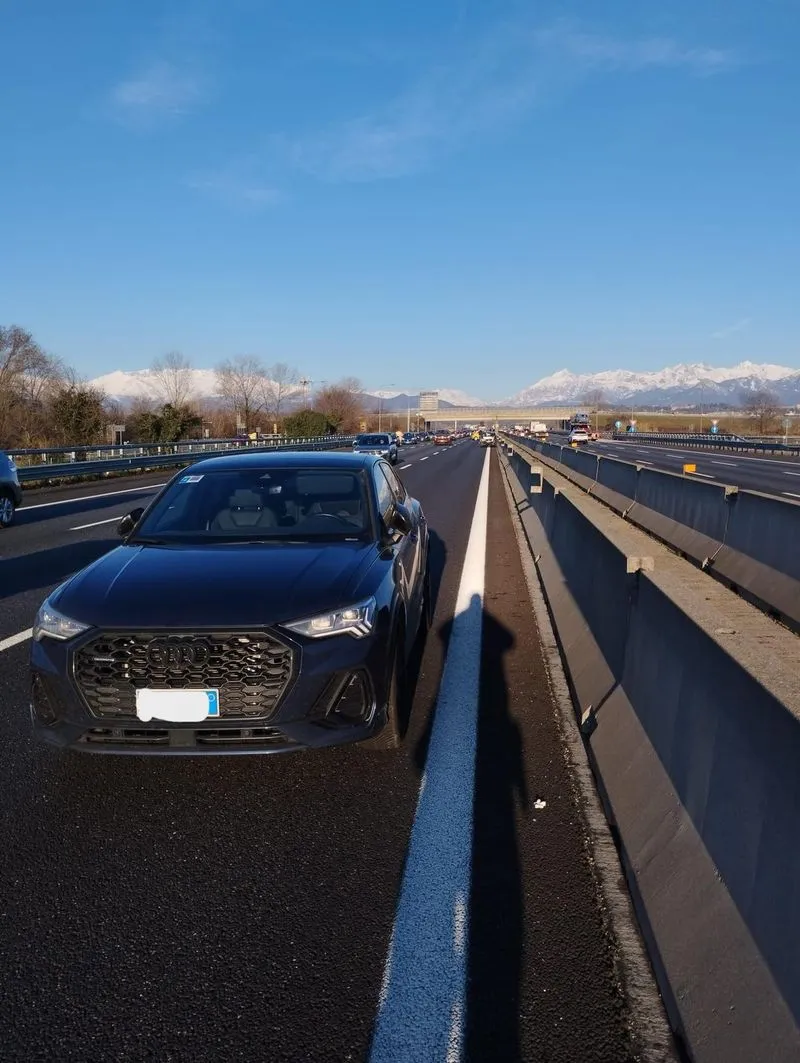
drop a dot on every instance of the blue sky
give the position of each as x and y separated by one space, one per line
457 194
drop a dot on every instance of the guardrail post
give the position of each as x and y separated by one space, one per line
536 479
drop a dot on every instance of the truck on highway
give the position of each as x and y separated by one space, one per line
539 430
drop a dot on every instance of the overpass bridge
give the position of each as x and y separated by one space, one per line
498 413
548 414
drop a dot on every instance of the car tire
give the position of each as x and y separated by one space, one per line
426 617
7 509
391 734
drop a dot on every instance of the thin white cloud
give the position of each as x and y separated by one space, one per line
235 191
160 91
730 330
486 87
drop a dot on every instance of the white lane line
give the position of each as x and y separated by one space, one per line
425 458
730 464
14 640
791 473
708 475
88 498
434 453
97 523
406 466
791 494
422 1009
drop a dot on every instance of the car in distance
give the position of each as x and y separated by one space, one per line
442 439
487 439
10 490
380 443
578 436
410 439
261 603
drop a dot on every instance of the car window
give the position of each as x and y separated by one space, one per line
270 503
383 491
374 440
395 485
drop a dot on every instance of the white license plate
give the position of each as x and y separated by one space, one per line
176 706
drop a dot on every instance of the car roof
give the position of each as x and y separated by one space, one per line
287 459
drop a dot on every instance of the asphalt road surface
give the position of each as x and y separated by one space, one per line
774 476
243 908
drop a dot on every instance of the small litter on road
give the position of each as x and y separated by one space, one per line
539 803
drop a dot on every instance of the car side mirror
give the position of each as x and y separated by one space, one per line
129 522
400 520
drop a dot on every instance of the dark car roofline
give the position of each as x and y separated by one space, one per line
287 459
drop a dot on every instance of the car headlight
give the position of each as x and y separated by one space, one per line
356 620
51 624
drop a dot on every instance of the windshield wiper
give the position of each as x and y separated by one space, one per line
146 540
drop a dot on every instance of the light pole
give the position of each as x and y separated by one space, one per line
380 404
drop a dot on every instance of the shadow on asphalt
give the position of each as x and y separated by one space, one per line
496 924
48 567
497 907
438 557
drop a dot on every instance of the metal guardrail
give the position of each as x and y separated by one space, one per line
138 461
734 443
106 451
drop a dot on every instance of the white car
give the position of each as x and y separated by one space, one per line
578 435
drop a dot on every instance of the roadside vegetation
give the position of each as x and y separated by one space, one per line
45 403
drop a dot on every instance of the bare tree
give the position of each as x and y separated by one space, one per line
240 382
761 404
26 374
342 404
281 382
171 379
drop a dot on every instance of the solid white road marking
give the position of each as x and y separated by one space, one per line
791 473
88 498
731 464
96 523
708 475
791 494
422 1006
14 640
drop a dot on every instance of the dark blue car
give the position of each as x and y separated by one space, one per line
260 603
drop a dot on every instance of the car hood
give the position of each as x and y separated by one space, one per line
223 585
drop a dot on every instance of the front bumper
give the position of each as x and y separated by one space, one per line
338 695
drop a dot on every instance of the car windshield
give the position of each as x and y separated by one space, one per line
372 441
275 504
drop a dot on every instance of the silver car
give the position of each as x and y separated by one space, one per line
10 490
381 443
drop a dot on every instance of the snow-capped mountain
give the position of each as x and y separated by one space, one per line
141 384
675 385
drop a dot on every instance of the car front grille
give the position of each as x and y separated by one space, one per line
251 670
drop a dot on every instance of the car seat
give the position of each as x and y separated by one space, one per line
245 509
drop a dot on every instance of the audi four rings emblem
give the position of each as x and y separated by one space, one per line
175 655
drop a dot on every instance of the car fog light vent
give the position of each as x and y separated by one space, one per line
42 705
352 705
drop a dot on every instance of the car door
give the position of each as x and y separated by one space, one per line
409 549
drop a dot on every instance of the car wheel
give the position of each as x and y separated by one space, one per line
7 510
391 736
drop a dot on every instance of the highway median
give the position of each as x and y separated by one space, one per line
689 701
